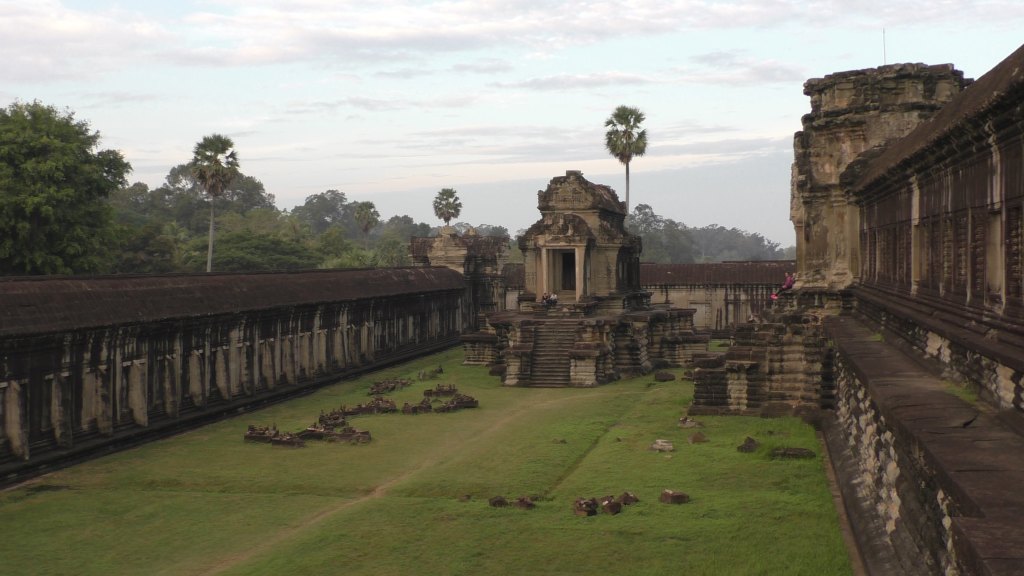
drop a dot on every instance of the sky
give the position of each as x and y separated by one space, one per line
392 100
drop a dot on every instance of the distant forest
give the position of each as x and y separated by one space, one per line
164 230
67 208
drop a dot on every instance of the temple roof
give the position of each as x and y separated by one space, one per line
1001 85
574 193
42 304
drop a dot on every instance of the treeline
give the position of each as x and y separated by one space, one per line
669 242
164 229
66 208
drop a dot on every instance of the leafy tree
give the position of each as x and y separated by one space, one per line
665 240
246 193
625 138
323 210
53 184
447 205
247 251
391 252
214 166
403 228
367 217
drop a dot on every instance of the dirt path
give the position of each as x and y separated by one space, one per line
492 427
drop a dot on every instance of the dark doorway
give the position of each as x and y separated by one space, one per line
569 270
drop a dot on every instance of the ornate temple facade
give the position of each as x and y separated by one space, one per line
603 324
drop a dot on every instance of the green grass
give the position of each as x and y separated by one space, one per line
719 345
206 502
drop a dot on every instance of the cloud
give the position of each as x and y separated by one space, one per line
44 41
734 147
116 99
47 40
736 68
483 66
369 104
579 81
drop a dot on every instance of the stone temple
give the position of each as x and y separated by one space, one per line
908 203
603 325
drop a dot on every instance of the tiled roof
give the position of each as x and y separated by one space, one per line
1002 84
41 304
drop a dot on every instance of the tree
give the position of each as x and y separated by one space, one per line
625 138
246 250
367 216
54 218
447 205
323 210
214 166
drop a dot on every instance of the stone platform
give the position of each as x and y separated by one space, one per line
943 475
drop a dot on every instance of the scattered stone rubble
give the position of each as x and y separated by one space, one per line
333 426
673 497
607 504
662 445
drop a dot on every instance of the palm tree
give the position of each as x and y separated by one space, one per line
447 205
625 138
367 217
214 165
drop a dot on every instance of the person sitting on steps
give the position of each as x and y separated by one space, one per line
786 285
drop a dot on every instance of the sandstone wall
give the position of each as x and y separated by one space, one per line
851 113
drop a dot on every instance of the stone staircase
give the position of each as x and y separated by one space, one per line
551 345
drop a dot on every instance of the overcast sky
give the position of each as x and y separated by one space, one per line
392 100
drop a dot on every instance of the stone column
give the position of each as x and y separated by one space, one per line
580 251
542 276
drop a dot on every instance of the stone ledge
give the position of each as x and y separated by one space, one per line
975 457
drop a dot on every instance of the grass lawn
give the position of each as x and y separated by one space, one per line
205 502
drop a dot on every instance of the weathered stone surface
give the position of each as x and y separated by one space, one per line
661 445
628 498
524 503
852 112
673 497
585 506
749 445
497 501
697 438
663 376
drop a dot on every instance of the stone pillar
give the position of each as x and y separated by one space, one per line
14 426
542 276
580 252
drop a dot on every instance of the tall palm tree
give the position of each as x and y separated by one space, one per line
626 138
214 165
447 205
367 217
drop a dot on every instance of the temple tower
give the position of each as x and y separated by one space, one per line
580 248
853 114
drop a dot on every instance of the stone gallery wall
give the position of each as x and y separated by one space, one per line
91 362
941 235
723 295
